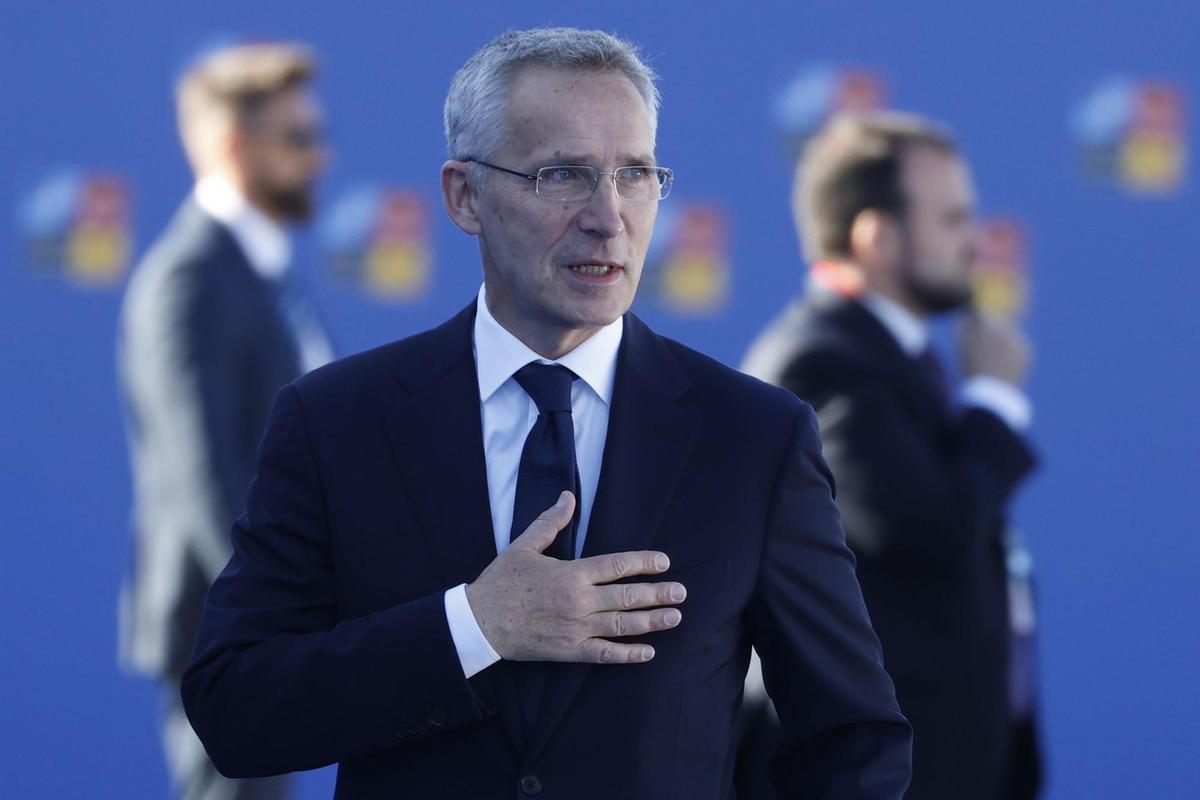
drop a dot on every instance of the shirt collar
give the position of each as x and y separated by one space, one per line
264 241
499 354
909 331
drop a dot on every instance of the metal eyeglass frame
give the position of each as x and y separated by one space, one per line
664 187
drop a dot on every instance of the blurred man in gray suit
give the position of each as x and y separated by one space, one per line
212 326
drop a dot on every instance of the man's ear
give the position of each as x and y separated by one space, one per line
459 196
874 239
231 145
215 147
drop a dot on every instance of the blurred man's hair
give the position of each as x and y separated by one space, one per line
854 164
225 88
475 116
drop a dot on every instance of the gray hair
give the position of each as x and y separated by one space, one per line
475 116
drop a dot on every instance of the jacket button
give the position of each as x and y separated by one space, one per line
531 784
438 718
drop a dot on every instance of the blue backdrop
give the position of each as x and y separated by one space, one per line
1111 519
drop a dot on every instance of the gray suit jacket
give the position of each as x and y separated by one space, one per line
202 350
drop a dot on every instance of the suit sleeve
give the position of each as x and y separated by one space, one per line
843 733
278 683
185 347
903 492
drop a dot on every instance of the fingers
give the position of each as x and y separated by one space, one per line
633 623
542 531
612 567
600 651
629 596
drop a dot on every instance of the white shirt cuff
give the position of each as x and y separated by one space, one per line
1003 399
474 652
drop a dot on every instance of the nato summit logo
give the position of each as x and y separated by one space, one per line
817 93
1133 134
687 264
379 239
77 224
1000 277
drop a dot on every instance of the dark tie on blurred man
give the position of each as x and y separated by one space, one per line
213 324
885 207
450 573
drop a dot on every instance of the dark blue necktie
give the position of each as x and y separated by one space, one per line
935 376
547 466
307 334
547 470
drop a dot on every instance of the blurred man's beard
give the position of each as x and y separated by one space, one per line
290 203
933 298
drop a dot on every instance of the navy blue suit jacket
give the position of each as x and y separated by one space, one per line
923 494
325 639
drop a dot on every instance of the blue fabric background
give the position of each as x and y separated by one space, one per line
1111 519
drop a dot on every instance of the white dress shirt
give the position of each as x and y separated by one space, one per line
982 391
262 239
269 251
508 416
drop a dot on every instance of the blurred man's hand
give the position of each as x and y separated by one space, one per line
993 347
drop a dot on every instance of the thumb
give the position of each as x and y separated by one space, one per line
541 532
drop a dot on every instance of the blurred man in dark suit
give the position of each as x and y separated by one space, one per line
211 327
885 207
451 538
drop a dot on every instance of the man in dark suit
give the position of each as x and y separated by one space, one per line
211 328
885 207
444 577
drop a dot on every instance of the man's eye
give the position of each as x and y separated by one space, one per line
635 174
561 175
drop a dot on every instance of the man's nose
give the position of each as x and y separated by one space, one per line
974 244
601 214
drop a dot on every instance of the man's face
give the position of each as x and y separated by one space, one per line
282 153
940 230
563 267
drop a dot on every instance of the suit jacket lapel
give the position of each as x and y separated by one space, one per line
887 353
435 430
650 436
433 426
195 225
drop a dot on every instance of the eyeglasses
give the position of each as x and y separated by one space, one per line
300 138
569 182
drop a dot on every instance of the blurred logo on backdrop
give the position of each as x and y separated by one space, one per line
687 264
378 238
1133 134
1001 276
78 224
817 93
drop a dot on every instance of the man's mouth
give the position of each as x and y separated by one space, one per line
595 270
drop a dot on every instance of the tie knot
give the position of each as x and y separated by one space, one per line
548 385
